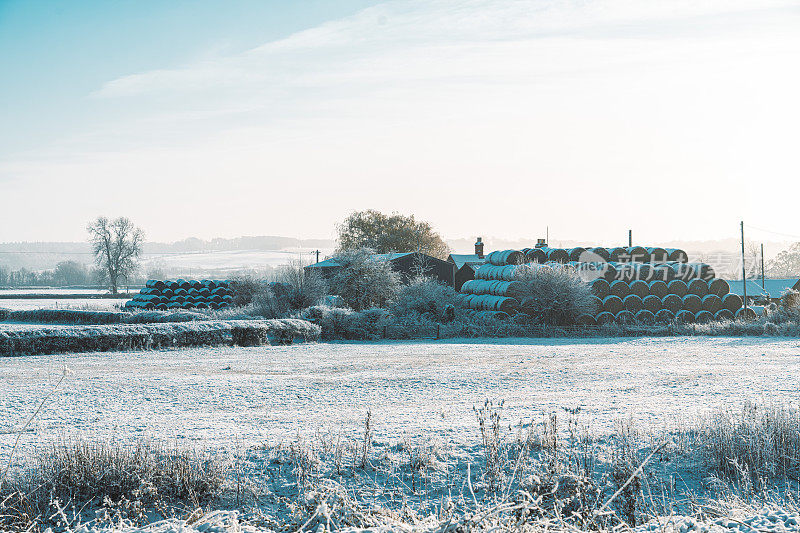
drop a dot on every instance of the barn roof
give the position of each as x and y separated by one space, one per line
465 259
772 287
327 263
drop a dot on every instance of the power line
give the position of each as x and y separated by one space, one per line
773 232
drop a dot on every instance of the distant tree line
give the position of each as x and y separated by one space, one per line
65 274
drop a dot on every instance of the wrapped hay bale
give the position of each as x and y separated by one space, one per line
575 254
692 303
724 315
183 284
658 255
609 272
732 302
586 320
535 255
658 288
644 272
620 289
684 317
719 287
604 318
600 288
712 303
602 253
745 313
619 255
703 317
698 287
505 257
613 304
665 316
625 318
639 288
556 255
652 303
633 303
677 255
663 273
638 254
678 288
625 272
645 317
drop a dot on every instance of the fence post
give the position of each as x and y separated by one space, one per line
438 331
384 330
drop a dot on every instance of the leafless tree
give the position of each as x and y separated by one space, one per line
117 245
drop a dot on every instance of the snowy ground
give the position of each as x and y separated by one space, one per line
92 304
224 397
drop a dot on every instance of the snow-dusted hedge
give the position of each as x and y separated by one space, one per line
76 316
50 339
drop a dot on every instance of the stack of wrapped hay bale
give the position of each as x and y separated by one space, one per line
183 294
630 285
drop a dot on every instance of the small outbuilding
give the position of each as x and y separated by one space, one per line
466 264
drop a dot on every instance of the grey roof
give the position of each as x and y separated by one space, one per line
327 263
391 256
772 287
465 259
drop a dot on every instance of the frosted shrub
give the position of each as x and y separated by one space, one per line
364 281
425 296
346 324
554 295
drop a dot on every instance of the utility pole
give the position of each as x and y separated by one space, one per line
762 268
547 235
317 252
744 270
630 238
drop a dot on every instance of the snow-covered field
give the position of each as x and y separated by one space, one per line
223 397
94 304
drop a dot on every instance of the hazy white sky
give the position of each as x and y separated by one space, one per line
485 117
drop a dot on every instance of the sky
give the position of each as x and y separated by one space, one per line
677 118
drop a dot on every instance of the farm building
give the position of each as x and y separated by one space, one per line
466 264
408 265
772 290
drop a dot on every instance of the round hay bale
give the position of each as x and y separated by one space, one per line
604 318
181 292
665 316
210 283
707 272
677 255
159 285
557 255
678 288
644 272
183 284
174 305
633 303
625 317
602 253
161 306
167 293
149 284
658 288
719 287
586 319
535 255
646 317
745 313
505 257
620 255
724 315
684 317
625 272
613 304
597 304
663 273
469 286
224 305
576 253
698 287
732 302
681 271
196 284
600 288
202 305
609 272
703 317
213 305
638 254
640 288
652 303
712 303
692 303
658 255
620 289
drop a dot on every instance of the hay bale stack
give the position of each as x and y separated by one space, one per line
653 303
505 257
613 304
658 288
692 303
719 287
633 303
665 316
698 287
620 289
732 302
600 287
712 303
678 288
640 288
645 317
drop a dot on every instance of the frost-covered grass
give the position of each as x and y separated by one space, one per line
116 337
88 317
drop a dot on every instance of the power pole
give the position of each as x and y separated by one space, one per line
762 268
547 235
744 270
630 238
317 252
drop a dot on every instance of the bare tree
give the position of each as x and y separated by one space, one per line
117 245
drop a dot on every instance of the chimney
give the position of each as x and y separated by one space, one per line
479 248
541 243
